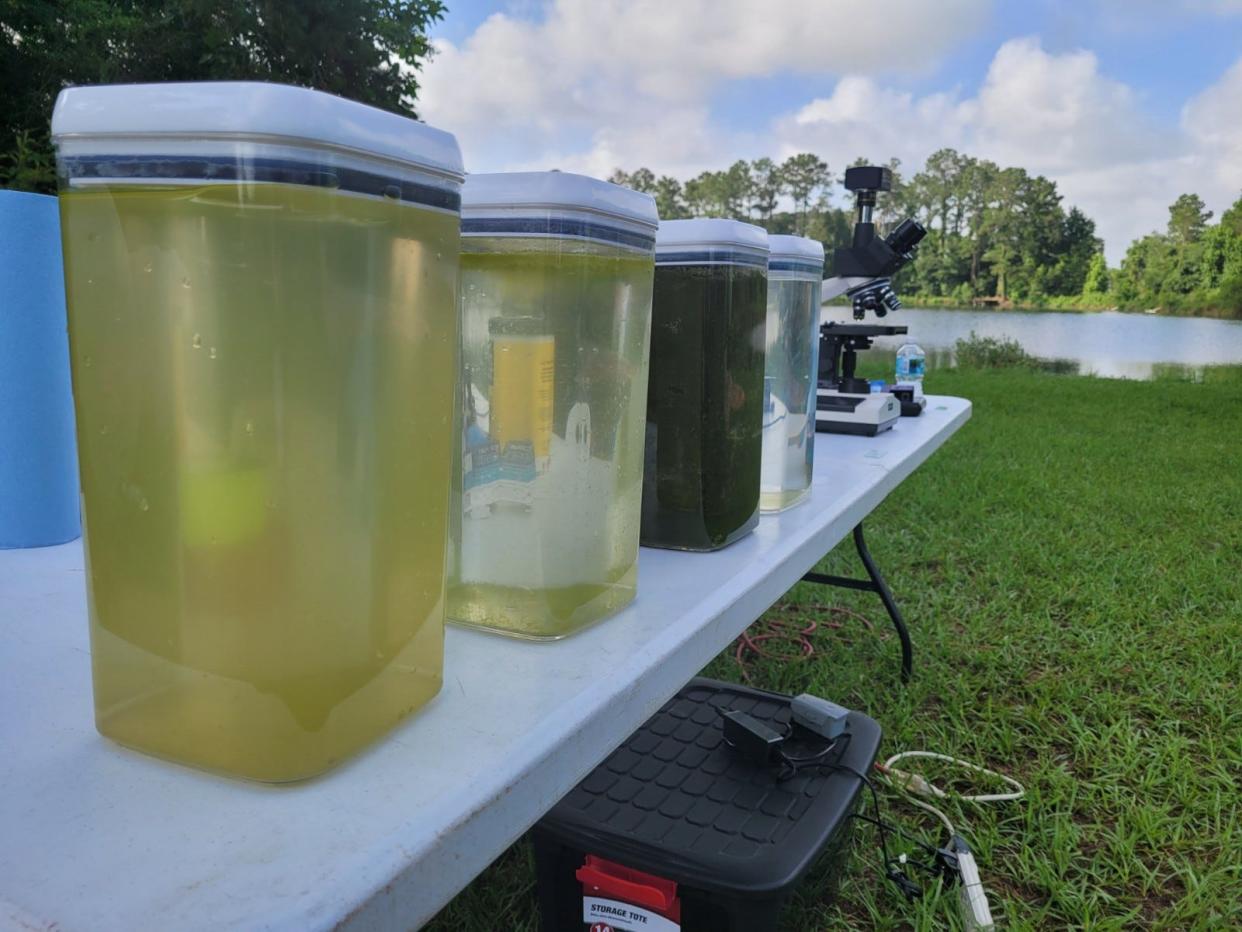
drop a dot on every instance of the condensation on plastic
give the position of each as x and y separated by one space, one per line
263 345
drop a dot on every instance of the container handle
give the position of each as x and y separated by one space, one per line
658 894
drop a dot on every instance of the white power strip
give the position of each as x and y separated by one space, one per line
972 900
976 914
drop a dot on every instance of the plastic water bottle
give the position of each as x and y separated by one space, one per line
911 361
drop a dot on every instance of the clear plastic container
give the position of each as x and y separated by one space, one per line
795 274
911 366
556 321
261 289
705 402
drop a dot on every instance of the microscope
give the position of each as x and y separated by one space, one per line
864 270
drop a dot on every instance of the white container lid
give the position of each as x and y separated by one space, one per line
503 192
131 119
704 241
795 247
796 257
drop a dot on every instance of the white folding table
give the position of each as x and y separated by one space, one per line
96 837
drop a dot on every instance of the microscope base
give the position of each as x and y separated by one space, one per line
865 415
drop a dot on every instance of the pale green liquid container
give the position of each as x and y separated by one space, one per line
795 277
556 322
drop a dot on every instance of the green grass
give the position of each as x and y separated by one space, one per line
1071 567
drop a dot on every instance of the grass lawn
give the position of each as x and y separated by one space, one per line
1071 567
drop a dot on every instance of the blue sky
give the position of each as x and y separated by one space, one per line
1126 103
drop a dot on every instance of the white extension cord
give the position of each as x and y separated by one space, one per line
976 913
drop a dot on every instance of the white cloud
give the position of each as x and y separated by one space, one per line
1213 119
592 85
1053 114
1129 194
861 118
1049 113
1057 113
634 77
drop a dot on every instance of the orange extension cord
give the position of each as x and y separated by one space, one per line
796 633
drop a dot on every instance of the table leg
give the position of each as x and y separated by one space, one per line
874 583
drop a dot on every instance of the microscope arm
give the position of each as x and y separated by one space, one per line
839 285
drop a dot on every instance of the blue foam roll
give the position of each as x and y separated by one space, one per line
38 456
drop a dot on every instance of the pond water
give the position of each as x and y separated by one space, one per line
1107 343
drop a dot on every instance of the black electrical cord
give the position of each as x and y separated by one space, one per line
790 764
893 867
759 741
908 836
935 866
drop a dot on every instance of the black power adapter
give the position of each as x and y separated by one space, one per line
810 717
750 737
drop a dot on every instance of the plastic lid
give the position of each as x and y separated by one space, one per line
796 257
796 247
270 113
710 233
677 800
555 191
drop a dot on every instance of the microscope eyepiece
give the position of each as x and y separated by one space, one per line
909 233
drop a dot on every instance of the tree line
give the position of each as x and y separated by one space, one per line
1194 266
996 235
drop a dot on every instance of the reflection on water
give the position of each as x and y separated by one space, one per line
1107 343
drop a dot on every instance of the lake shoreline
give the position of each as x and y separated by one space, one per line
1111 344
940 302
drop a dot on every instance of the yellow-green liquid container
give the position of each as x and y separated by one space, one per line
556 323
261 288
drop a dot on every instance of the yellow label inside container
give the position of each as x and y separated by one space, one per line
523 376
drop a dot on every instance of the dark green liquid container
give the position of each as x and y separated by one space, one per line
705 393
